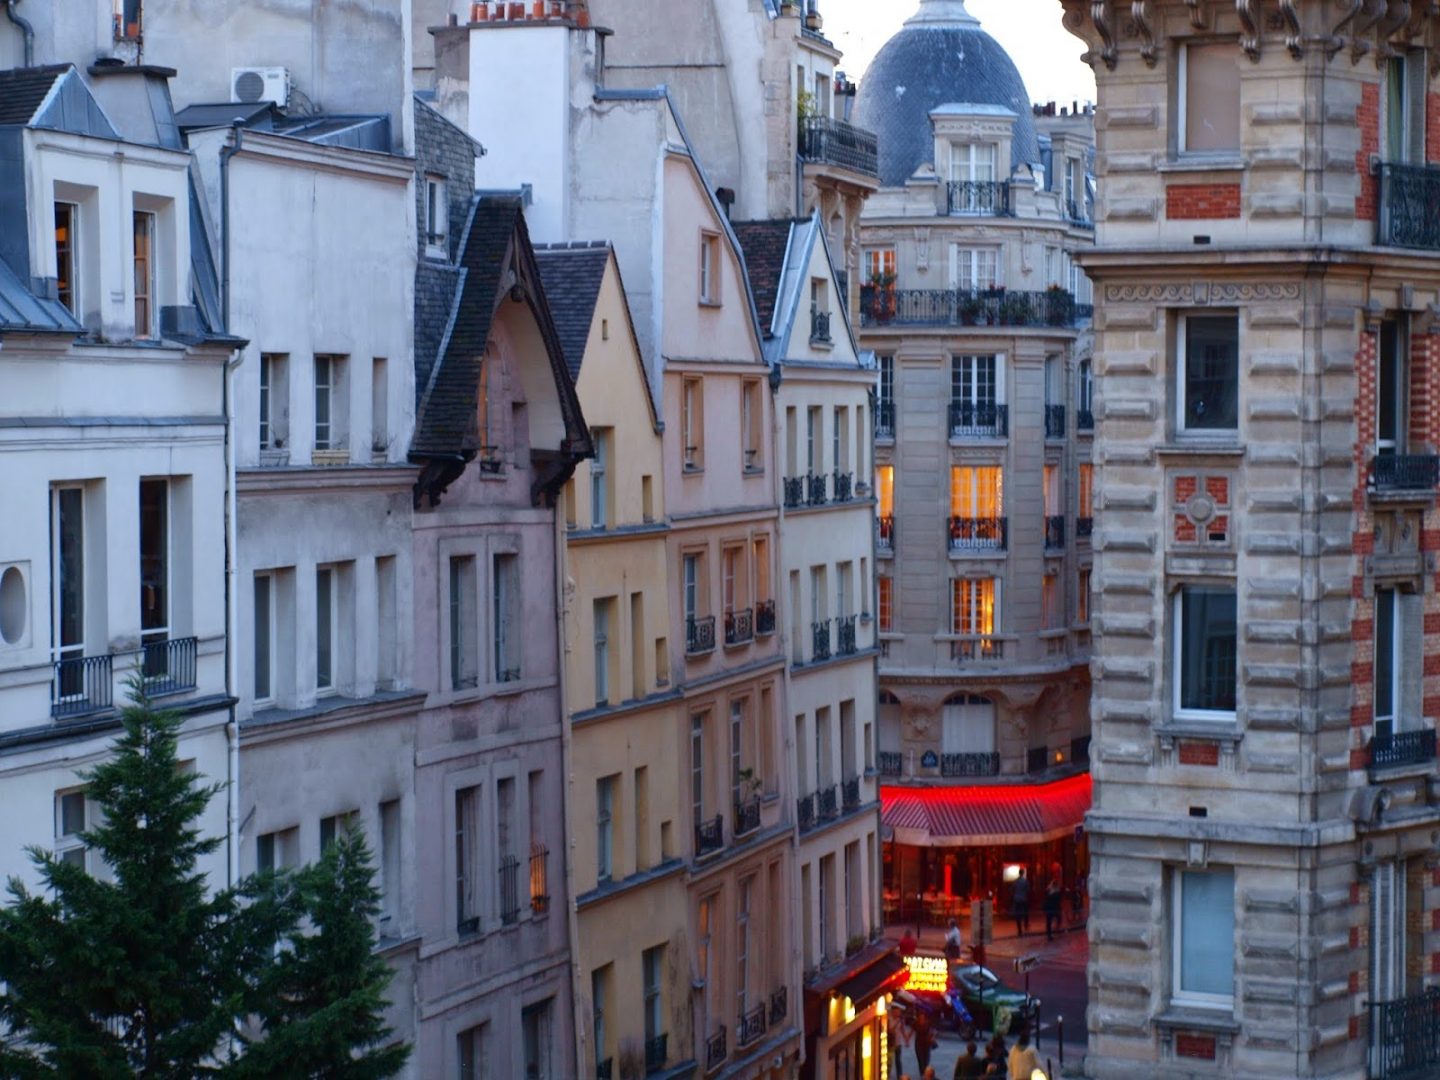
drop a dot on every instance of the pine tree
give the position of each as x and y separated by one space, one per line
324 1018
141 971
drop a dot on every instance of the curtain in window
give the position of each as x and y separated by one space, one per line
1207 932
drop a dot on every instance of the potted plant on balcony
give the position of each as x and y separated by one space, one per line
882 297
1059 306
1014 310
973 311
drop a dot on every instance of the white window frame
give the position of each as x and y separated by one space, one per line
331 572
709 281
73 650
1181 333
600 613
436 217
599 502
145 222
160 634
68 843
968 264
965 159
971 597
1177 648
1178 994
326 385
697 767
269 629
72 252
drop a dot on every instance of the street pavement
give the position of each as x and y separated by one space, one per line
1058 981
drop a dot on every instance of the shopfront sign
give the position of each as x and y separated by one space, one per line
927 974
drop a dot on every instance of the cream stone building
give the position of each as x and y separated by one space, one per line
1264 836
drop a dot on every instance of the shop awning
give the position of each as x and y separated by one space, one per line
887 973
970 816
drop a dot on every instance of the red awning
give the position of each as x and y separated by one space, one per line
975 815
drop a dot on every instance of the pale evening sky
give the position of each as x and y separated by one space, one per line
1047 55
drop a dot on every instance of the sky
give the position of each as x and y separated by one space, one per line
1047 55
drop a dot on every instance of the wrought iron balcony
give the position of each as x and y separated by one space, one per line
1405 1037
890 762
710 835
794 492
824 141
715 1050
844 486
1084 527
977 647
820 640
1080 750
1037 759
747 817
885 537
969 307
815 493
1399 749
805 812
779 1005
850 793
1404 472
885 420
751 1026
985 198
655 1053
979 420
819 325
765 617
845 635
1054 421
699 635
826 805
81 684
1054 532
1406 208
969 764
739 626
168 666
978 534
1084 420
509 890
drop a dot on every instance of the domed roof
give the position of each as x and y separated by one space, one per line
939 57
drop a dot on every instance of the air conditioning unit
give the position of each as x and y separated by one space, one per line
260 84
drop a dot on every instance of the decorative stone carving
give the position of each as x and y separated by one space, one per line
1349 9
1249 28
1140 14
1100 16
1397 15
1197 14
1203 293
922 249
1291 19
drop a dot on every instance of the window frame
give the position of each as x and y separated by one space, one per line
605 828
600 629
709 268
1178 994
1182 104
507 654
1177 651
599 482
436 216
967 597
67 256
462 589
145 225
60 648
268 577
469 896
329 572
1182 428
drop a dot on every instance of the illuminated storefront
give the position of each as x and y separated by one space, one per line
846 1021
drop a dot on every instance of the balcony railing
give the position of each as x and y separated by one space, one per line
715 1050
969 764
1080 750
747 817
845 635
850 793
1404 472
509 890
710 835
168 666
81 684
815 488
805 811
1084 420
819 325
739 626
1054 532
539 878
885 536
890 762
844 486
1054 421
751 1026
1405 1037
779 1005
979 420
820 640
885 420
834 142
765 617
977 647
969 307
1406 209
699 635
988 198
1084 527
978 534
1037 759
794 492
655 1053
1401 748
826 803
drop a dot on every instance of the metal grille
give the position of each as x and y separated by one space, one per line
834 142
1405 1037
970 764
81 685
1408 197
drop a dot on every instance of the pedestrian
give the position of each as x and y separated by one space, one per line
969 1065
995 1051
909 942
952 942
1020 903
1023 1059
1077 899
1052 904
925 1040
900 1037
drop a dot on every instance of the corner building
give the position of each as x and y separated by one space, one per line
1264 831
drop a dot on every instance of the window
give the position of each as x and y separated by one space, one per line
819 310
1085 491
326 626
74 813
467 858
742 947
379 408
1204 945
127 19
506 569
1208 373
1391 391
814 448
692 423
887 603
329 403
67 220
975 381
599 485
539 851
691 583
972 161
1205 653
752 425
973 607
1399 660
154 574
598 980
1082 596
604 826
278 850
638 686
704 918
1051 615
473 1051
389 859
640 812
652 963
274 402
840 440
826 897
331 827
975 269
1208 99
387 628
264 657
977 493
1085 396
144 255
1404 90
709 268
464 665
437 214
880 266
67 532
844 571
737 754
601 614
488 429
887 387
760 551
535 1040
697 768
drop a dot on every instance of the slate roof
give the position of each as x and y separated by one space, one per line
20 309
251 114
22 90
764 244
572 274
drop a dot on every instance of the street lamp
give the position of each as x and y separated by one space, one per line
1038 1074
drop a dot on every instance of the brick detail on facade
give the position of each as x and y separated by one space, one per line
1202 202
1367 117
1195 1046
1199 753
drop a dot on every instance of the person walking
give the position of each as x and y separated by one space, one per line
995 1052
909 942
1054 898
1020 903
900 1036
925 1039
1023 1059
952 942
969 1065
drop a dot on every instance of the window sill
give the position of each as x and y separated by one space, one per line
1226 445
712 304
1183 162
691 470
437 253
274 458
336 456
1191 1016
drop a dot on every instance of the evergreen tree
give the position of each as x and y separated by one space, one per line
323 1017
140 971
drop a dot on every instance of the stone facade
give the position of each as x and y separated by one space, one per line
1264 832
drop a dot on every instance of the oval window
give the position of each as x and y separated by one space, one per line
12 605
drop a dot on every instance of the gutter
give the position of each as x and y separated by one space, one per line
25 28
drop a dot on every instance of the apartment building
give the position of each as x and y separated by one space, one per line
1263 836
113 457
979 320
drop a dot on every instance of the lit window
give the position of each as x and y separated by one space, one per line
144 255
973 610
1204 938
67 218
887 603
1205 652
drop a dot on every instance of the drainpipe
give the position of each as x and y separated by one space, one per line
25 28
226 153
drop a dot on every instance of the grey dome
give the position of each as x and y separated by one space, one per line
940 56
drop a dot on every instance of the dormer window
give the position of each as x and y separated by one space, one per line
973 183
709 268
67 218
819 311
144 258
436 214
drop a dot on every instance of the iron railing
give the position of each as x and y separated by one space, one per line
826 805
539 878
885 538
765 617
1404 472
1054 531
980 764
890 762
805 811
979 420
844 486
710 835
815 493
850 793
1405 1037
819 324
1080 750
820 640
509 889
1400 748
885 420
845 635
969 307
699 635
715 1050
1054 421
81 684
1084 420
834 142
739 626
1037 759
656 1052
779 1004
978 534
168 666
794 492
751 1026
977 647
1084 527
987 198
747 817
1406 208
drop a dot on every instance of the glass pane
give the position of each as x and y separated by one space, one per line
154 556
72 813
1212 366
324 614
70 527
1389 395
1207 932
1207 649
1212 97
1384 658
262 637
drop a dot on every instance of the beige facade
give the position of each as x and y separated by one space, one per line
1265 784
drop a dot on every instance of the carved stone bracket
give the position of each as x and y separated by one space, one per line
1198 18
1291 18
1140 13
1100 16
1249 28
1396 16
1371 12
1349 10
